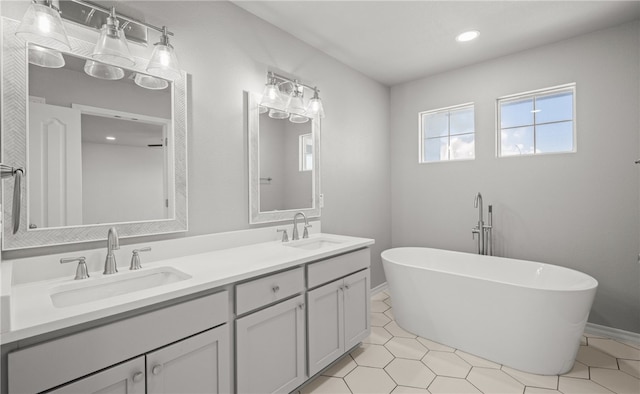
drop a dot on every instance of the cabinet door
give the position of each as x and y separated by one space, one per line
325 325
270 349
125 378
199 364
356 308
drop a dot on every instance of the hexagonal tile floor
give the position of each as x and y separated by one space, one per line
393 360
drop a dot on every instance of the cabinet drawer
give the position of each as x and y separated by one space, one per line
264 291
331 269
49 364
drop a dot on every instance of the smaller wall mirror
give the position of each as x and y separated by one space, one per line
284 166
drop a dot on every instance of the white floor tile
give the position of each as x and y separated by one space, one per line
615 349
446 364
410 373
368 355
431 345
477 361
378 336
408 390
406 348
389 313
632 367
529 379
388 302
326 385
538 390
341 368
379 306
398 331
369 380
445 385
579 370
380 296
616 381
580 386
593 357
379 319
494 381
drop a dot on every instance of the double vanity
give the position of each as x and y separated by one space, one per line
262 317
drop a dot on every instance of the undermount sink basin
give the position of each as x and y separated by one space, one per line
88 290
314 243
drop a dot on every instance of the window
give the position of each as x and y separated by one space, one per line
447 134
306 152
537 122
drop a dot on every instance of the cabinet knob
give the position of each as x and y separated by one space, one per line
301 306
275 288
346 287
156 369
138 376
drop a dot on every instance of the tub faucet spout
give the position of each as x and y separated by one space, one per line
479 229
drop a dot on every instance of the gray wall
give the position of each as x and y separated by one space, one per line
227 51
577 210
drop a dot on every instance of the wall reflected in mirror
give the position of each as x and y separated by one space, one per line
99 150
286 165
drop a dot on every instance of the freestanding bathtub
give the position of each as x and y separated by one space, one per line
525 315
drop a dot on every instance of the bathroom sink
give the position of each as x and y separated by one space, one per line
314 243
88 290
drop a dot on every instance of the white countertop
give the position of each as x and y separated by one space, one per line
33 313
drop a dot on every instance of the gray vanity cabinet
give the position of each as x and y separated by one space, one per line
338 312
125 378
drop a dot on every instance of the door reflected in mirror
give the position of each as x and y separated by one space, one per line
286 165
99 150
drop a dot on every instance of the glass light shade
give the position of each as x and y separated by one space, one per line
277 114
164 62
112 46
296 105
42 25
149 82
103 71
262 110
298 119
315 107
271 97
45 57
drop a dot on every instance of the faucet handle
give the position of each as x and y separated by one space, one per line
81 271
285 236
305 234
135 258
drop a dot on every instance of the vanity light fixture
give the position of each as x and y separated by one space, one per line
284 98
467 36
164 62
42 25
45 57
149 82
110 138
112 45
102 70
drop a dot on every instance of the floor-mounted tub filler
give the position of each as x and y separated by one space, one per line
526 315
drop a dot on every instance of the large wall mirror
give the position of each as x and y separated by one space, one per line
284 166
97 152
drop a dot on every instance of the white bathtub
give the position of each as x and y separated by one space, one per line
525 315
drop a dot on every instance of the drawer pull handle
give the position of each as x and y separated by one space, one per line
156 369
275 288
138 376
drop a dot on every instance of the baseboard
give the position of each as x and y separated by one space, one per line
613 333
381 287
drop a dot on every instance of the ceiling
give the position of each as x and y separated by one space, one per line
399 41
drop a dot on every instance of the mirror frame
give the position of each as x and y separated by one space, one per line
15 122
253 128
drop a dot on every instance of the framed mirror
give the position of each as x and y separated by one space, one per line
284 166
97 153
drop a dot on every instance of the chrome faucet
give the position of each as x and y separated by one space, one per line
305 234
483 231
110 266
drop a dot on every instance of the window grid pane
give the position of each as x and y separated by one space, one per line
448 134
552 130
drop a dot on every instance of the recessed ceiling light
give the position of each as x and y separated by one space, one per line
467 36
111 138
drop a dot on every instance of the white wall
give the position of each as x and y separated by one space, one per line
227 51
576 210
